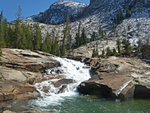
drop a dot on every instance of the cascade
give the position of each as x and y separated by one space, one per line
69 69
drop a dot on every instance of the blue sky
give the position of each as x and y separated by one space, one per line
29 7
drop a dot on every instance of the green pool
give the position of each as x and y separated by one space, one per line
88 104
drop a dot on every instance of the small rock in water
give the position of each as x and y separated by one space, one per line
62 89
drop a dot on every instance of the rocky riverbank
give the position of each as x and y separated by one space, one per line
19 71
116 78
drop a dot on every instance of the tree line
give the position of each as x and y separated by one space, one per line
124 48
23 36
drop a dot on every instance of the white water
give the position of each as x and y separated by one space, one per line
70 69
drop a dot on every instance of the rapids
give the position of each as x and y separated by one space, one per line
71 69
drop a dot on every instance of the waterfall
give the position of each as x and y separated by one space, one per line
69 69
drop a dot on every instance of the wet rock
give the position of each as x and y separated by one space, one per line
62 89
46 89
62 82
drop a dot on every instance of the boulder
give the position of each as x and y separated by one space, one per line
114 86
62 82
118 78
12 90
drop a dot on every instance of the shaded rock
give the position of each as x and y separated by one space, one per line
62 82
142 91
11 90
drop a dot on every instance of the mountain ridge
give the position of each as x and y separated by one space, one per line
100 13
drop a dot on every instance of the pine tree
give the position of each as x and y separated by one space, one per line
114 52
118 45
140 44
95 52
101 32
126 46
17 40
5 26
109 52
66 30
63 49
127 12
103 53
77 37
70 41
23 42
83 38
53 44
121 16
118 19
44 47
28 35
37 37
11 37
93 37
2 32
49 43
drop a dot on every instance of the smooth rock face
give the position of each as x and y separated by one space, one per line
27 60
11 90
11 74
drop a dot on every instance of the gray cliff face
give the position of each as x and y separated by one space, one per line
97 13
58 12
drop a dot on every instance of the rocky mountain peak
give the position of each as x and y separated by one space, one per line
58 12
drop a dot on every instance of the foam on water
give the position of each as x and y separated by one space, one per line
71 70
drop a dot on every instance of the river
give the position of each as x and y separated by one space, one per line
71 102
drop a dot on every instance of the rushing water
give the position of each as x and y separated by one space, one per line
71 102
70 69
